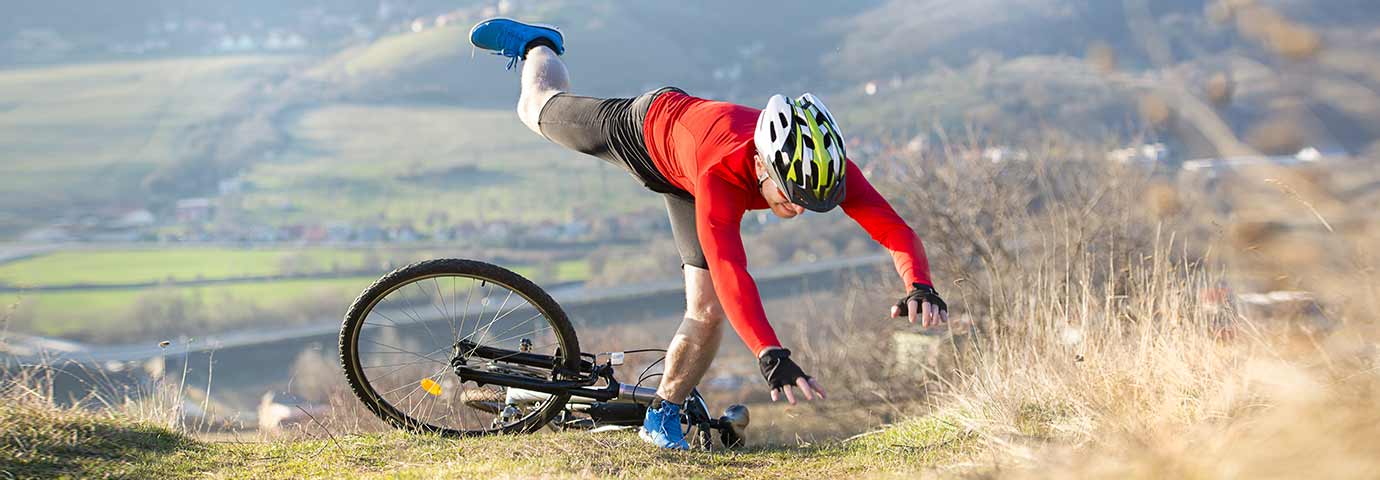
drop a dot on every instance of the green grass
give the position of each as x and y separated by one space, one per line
117 267
132 313
40 441
128 314
88 134
393 165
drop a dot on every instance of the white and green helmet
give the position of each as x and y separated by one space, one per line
803 149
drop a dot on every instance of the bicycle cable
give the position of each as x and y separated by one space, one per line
642 377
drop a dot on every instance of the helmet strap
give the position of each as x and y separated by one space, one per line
762 175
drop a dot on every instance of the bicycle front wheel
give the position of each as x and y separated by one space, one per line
401 339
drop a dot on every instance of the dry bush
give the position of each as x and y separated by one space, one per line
1109 343
990 228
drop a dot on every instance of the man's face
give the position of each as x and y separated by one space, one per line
776 199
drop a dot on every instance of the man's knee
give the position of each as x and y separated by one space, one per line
708 312
701 302
529 108
529 113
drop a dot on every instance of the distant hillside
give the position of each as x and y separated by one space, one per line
714 48
85 137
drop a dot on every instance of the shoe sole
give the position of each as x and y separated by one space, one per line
506 19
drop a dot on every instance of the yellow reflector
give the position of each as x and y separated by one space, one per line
431 387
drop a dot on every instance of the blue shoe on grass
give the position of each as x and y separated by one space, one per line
662 427
510 38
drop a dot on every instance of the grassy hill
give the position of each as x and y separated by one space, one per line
47 442
85 137
399 164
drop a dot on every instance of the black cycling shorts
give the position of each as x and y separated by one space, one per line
612 129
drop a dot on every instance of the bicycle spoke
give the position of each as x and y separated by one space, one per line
505 332
491 322
418 285
444 309
489 325
388 365
399 350
396 370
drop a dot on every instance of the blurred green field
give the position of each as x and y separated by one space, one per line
127 314
413 165
116 267
89 134
130 314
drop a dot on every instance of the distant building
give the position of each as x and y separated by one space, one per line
134 219
194 210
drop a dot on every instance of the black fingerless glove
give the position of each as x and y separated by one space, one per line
778 368
922 293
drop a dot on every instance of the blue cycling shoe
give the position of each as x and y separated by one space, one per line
510 38
662 427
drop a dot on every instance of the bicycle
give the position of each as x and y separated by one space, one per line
411 355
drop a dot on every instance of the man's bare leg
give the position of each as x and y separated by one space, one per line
543 76
696 341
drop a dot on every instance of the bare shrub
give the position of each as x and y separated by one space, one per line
1111 337
986 224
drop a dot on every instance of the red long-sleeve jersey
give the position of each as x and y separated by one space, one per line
705 147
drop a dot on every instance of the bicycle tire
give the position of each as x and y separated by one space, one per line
364 304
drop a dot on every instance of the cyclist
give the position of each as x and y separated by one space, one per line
713 161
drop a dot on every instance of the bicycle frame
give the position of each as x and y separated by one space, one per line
578 386
732 426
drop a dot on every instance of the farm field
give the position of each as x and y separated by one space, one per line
128 314
115 315
120 267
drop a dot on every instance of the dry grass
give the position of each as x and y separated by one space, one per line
1103 347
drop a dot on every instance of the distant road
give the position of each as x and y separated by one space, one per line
604 303
12 252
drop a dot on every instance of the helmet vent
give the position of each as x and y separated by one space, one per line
784 121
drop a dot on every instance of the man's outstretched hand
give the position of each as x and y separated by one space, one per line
783 375
922 303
